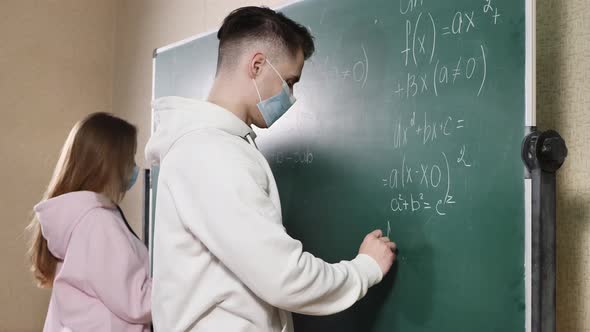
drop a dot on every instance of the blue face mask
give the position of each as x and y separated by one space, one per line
276 106
133 178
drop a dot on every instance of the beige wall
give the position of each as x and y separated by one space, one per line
563 90
56 65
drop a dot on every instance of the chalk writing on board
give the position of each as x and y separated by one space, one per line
461 159
425 70
428 74
408 6
419 127
356 70
442 76
433 184
492 10
363 67
424 182
462 22
388 228
304 157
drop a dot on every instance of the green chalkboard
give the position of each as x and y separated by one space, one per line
409 119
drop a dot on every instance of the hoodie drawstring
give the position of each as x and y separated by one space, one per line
126 222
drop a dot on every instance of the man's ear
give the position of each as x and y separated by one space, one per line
255 65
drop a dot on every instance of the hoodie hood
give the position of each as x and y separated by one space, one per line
59 216
174 117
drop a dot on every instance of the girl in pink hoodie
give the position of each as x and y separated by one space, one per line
81 244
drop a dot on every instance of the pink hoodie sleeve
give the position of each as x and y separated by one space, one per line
116 272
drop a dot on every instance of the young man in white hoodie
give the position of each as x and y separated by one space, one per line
223 261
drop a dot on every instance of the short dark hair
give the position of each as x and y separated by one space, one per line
251 23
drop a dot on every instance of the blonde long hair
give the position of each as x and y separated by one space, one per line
97 156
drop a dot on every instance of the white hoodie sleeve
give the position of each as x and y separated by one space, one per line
220 196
